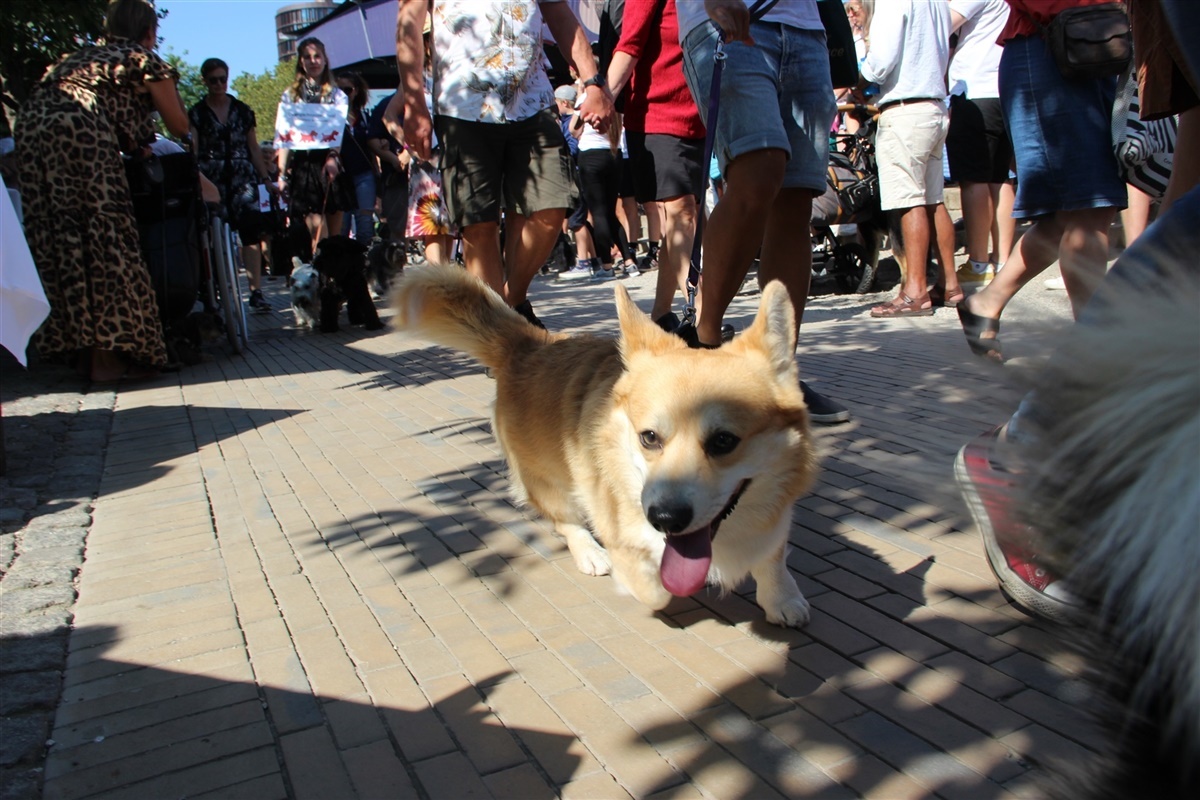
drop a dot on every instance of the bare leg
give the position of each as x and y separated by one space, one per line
787 247
481 253
917 225
1006 226
584 246
654 221
527 245
252 258
978 215
1083 252
944 229
675 256
735 233
437 249
1136 218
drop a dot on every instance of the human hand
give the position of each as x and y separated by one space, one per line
732 17
332 168
597 108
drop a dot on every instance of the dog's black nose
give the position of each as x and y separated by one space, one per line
670 518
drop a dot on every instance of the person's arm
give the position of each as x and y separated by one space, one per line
887 36
410 96
381 149
194 135
635 30
169 106
597 109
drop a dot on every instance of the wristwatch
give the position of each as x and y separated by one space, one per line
596 80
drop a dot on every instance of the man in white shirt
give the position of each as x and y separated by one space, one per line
977 146
497 120
910 49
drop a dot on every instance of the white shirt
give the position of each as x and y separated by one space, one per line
589 137
975 67
910 46
488 63
802 14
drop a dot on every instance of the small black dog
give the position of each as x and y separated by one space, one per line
342 262
385 260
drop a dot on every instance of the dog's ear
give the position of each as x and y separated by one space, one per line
774 330
638 332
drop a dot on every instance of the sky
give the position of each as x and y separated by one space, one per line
239 32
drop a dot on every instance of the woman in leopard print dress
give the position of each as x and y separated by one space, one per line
88 109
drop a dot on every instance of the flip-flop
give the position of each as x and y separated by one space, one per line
974 326
904 306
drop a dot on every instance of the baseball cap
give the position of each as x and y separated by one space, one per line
565 92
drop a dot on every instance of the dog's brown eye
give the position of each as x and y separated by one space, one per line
721 443
650 440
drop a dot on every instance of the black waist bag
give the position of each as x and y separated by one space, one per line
1090 42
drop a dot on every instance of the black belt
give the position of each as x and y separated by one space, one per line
908 101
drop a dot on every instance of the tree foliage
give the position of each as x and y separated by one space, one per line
36 34
191 85
261 92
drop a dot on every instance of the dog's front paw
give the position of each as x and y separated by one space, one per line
791 613
592 560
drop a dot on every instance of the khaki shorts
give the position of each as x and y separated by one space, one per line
522 167
908 149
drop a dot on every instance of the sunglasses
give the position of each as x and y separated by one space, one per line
213 80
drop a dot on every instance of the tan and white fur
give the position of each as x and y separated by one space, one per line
636 448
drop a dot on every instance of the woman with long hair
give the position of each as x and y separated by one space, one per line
357 159
308 175
89 108
225 140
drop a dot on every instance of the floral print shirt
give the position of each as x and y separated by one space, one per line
488 64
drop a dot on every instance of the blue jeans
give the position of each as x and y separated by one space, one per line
362 220
786 72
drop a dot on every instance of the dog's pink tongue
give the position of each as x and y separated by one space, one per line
685 562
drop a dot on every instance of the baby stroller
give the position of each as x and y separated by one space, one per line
851 196
190 251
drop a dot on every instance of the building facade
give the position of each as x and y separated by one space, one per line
296 17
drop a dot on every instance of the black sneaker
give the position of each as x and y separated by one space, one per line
525 309
821 409
258 302
668 322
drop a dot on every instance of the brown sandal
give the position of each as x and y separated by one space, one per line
905 306
939 298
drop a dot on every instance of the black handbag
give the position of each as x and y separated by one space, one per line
843 60
1090 41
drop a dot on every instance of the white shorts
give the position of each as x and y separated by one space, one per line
908 149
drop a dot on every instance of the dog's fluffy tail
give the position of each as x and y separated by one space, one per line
450 307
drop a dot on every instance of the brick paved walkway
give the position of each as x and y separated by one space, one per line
304 578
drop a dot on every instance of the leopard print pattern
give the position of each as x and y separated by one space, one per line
79 218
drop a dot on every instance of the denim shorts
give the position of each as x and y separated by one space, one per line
786 69
1061 134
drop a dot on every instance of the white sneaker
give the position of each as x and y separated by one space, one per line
1056 283
579 272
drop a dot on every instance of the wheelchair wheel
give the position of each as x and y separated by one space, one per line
225 281
853 269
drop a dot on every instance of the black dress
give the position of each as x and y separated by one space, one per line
224 158
307 189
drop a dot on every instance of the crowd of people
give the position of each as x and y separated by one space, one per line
960 87
477 141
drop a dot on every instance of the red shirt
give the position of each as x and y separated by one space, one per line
1043 11
659 100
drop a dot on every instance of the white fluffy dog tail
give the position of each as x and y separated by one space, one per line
448 306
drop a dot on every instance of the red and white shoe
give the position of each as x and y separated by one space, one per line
1010 545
